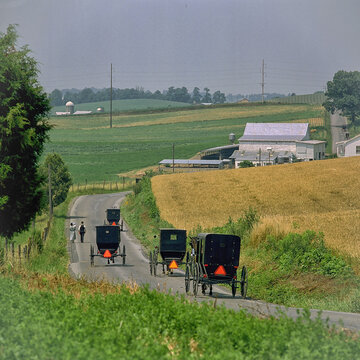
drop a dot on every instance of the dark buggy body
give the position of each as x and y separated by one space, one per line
215 260
113 216
108 244
172 249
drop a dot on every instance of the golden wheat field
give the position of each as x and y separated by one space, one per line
321 196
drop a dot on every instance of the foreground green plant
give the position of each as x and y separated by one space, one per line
136 323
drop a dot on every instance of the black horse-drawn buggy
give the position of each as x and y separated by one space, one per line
215 260
172 251
108 244
113 217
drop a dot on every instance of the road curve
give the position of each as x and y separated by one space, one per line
91 210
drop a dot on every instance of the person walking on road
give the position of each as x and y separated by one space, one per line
82 231
72 232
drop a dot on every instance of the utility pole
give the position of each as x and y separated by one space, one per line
262 81
50 197
110 95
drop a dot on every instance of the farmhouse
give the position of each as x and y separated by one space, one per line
350 147
273 143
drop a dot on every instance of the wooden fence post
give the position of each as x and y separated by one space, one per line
19 250
123 182
85 183
104 185
12 250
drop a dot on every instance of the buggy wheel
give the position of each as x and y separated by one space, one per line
233 287
244 281
187 257
113 260
154 263
124 255
210 292
150 262
203 289
91 255
196 279
187 278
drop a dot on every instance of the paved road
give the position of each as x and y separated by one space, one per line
91 209
338 123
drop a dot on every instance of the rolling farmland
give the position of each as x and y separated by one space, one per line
95 153
125 105
321 196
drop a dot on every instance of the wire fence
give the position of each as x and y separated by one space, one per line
17 255
122 184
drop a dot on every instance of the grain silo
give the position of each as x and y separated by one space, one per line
232 138
70 107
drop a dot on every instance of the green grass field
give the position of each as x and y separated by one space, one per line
95 153
314 99
125 105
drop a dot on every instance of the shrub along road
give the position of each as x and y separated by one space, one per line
91 210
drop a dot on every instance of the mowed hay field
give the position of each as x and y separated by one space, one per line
321 196
95 153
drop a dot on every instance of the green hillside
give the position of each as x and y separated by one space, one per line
313 99
125 105
95 153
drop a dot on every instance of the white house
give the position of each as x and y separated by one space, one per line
349 147
288 140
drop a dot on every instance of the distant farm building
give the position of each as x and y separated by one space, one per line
192 164
243 101
70 107
287 141
350 147
70 110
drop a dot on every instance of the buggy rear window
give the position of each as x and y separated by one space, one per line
173 237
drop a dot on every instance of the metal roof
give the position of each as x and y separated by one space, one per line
190 162
271 138
253 155
314 142
275 131
224 147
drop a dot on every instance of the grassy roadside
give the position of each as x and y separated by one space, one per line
46 314
284 268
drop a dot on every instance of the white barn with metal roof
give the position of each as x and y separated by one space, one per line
292 138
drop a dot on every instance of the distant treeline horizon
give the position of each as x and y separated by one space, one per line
87 95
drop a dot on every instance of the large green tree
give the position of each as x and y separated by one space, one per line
23 131
343 93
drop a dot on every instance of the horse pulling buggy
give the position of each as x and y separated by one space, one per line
215 260
108 244
172 250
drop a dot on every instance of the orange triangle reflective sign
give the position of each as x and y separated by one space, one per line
220 270
173 265
114 223
107 254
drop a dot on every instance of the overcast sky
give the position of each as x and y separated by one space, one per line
219 44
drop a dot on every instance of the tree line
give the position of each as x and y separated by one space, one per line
61 97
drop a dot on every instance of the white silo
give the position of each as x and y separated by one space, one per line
232 138
70 107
